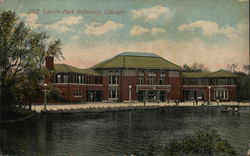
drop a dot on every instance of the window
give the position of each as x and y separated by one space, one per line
77 93
162 78
151 78
220 94
222 81
82 79
113 80
79 79
140 77
65 78
59 79
113 94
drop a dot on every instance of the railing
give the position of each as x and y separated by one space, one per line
208 85
153 87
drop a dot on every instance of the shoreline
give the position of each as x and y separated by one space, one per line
116 107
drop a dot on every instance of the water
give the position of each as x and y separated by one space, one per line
120 133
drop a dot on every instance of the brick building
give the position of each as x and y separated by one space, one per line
137 77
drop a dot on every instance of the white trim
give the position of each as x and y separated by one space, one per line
209 85
77 96
80 84
153 85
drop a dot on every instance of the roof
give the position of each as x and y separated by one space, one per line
194 74
137 60
221 73
202 74
69 68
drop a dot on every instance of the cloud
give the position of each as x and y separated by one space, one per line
213 55
96 28
64 24
153 13
31 20
210 28
139 30
243 0
157 30
1 1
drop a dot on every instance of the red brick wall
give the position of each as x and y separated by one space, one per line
67 91
124 88
105 82
175 92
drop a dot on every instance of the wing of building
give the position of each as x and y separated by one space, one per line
136 76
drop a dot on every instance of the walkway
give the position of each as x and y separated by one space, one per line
82 106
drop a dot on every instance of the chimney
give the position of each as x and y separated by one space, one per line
49 62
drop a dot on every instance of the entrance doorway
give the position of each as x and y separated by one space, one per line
94 95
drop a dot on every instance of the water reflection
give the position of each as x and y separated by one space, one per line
118 133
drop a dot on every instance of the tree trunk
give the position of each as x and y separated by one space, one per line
30 103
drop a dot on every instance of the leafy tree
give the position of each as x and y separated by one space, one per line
246 68
195 67
204 143
23 53
55 94
232 67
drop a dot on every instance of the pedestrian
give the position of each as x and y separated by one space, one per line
144 103
238 100
193 102
196 101
218 101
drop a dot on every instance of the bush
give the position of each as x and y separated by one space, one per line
55 94
12 113
207 143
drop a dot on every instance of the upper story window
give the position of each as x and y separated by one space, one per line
114 77
79 80
151 78
197 81
59 78
113 80
83 80
140 77
162 78
65 79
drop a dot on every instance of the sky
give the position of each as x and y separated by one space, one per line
212 32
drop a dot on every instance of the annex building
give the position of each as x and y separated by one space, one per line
132 76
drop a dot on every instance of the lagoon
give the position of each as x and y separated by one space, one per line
120 133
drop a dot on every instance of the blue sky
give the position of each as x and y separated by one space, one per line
213 32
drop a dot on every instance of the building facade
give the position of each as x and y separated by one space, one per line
139 77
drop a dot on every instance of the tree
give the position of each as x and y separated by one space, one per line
232 67
23 53
205 143
195 67
246 68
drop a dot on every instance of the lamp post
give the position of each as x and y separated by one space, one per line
209 94
129 94
45 95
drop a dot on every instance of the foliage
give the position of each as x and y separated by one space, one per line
23 53
55 94
14 113
204 143
243 82
232 67
246 68
195 67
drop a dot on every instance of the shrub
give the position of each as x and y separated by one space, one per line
203 143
